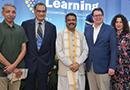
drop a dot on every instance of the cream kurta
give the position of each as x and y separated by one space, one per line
64 61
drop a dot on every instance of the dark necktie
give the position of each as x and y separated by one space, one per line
39 36
39 31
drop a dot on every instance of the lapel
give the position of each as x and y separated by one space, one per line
33 33
91 34
100 32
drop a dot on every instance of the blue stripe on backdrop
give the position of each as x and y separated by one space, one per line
125 8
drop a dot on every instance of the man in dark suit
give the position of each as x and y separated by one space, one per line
40 48
101 62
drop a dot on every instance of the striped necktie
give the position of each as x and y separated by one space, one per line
39 31
39 36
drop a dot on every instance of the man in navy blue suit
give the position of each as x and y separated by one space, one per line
40 48
101 62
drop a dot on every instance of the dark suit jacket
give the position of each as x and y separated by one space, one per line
103 53
44 58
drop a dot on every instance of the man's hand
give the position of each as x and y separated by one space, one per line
18 72
9 69
111 71
74 67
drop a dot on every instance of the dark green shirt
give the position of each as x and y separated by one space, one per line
11 40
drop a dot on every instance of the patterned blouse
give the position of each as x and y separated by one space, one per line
121 79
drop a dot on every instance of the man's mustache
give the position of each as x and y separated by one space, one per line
71 23
11 17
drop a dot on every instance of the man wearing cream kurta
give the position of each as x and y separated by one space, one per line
72 51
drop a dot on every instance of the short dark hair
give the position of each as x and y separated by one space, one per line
8 4
99 9
125 23
70 14
40 4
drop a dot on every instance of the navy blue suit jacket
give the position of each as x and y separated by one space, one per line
44 58
103 53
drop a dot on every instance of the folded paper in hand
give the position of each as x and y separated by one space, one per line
13 78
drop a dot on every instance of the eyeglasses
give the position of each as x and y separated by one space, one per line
43 11
97 15
71 19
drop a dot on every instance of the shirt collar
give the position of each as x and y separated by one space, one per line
6 25
98 26
41 22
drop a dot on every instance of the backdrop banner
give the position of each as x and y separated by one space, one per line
57 9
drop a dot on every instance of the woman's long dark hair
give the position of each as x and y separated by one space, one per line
125 23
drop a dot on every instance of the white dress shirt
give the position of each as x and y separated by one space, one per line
96 32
